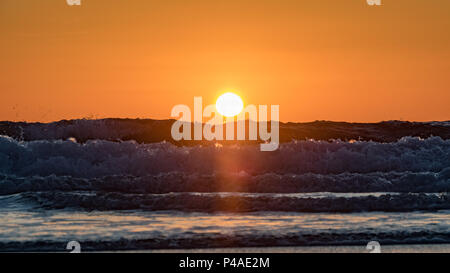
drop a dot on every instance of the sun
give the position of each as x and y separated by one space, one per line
229 104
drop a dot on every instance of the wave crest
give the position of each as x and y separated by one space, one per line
99 158
239 203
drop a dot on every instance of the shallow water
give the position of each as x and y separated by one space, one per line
27 228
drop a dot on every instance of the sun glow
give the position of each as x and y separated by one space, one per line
229 104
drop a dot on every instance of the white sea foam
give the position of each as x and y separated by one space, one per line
99 158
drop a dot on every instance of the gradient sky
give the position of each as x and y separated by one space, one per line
318 59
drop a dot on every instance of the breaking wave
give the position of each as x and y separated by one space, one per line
98 158
266 183
228 202
151 131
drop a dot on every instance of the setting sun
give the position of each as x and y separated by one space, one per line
229 104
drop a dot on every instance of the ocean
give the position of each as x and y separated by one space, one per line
123 185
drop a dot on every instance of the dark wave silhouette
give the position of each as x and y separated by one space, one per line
214 202
149 130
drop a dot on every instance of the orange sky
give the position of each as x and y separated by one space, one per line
318 59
